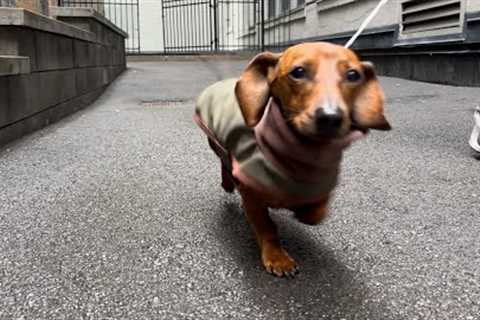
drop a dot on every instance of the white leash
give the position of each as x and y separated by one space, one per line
475 136
365 23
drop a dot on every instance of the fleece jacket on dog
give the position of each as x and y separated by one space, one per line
269 157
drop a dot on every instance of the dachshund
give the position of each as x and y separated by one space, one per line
280 131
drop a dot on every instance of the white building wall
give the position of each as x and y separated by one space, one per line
329 17
473 5
347 17
151 26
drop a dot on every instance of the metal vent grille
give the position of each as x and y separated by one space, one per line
429 15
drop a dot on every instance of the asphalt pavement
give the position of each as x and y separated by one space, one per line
117 213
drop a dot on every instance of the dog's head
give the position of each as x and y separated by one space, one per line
323 90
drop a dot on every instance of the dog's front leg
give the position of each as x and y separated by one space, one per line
274 258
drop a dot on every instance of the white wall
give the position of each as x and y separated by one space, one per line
473 5
151 28
348 17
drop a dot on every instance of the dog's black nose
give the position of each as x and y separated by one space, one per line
328 119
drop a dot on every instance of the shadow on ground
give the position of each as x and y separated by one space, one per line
324 288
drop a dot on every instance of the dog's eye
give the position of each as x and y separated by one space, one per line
353 75
298 73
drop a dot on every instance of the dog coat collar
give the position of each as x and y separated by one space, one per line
301 159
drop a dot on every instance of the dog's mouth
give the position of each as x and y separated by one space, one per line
326 136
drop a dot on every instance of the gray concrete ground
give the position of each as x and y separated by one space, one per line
117 213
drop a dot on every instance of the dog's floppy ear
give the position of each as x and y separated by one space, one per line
369 100
253 87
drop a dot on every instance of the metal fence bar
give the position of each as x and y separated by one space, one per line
262 25
215 25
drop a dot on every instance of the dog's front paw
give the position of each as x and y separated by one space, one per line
277 262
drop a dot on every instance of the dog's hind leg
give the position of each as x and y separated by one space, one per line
274 258
312 214
227 180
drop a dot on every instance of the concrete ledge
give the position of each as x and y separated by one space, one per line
25 95
90 20
11 65
46 117
49 69
21 17
459 68
78 12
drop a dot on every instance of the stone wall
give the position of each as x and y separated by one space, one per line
49 69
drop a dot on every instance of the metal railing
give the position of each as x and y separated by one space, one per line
123 13
222 26
201 26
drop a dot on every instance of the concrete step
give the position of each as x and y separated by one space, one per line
11 65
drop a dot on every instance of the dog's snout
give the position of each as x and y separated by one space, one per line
328 119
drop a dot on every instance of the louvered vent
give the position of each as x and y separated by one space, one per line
429 15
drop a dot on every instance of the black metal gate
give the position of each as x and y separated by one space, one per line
123 13
203 26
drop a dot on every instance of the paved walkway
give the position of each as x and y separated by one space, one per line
117 213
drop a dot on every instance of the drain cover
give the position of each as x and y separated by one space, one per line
162 102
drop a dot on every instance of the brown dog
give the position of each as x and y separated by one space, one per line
280 131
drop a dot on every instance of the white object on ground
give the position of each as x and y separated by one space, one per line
474 143
365 23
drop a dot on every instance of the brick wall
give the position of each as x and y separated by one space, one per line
39 6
